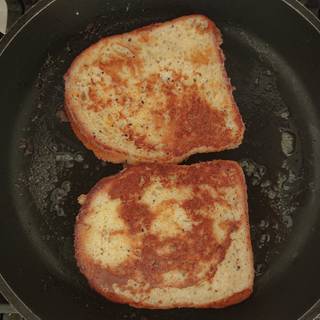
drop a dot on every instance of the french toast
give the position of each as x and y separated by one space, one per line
156 94
166 235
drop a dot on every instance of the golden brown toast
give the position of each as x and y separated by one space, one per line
166 236
156 94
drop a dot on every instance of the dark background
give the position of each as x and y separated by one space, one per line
16 9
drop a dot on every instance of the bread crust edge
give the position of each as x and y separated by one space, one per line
106 153
235 298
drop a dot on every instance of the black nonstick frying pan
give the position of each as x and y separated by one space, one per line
273 58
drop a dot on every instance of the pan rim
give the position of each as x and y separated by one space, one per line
15 301
41 5
305 13
22 22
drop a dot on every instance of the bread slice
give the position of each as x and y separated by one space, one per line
166 236
156 94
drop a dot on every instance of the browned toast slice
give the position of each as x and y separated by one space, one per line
156 94
166 236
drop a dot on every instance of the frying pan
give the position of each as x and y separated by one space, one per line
273 59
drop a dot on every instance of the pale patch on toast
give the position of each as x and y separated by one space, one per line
156 94
165 236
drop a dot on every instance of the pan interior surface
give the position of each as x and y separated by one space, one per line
46 168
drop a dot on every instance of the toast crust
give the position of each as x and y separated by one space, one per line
195 125
131 184
236 298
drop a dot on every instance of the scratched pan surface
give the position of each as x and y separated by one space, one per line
273 60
